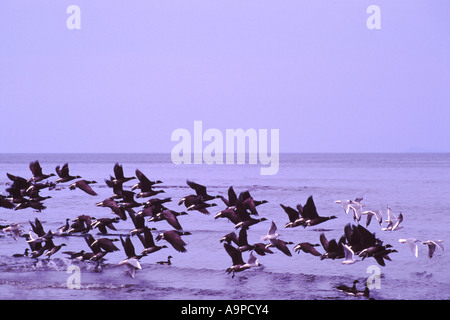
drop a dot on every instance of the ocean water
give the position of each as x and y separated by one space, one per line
418 185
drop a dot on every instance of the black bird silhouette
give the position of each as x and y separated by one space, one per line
200 190
64 175
310 216
97 252
170 216
307 248
114 206
333 249
83 185
36 170
146 186
174 238
103 223
147 241
119 175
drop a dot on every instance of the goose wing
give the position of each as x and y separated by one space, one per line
83 185
147 239
235 254
309 209
174 238
308 247
118 171
128 246
242 239
232 197
324 241
291 212
171 219
199 189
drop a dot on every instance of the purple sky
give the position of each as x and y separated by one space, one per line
137 70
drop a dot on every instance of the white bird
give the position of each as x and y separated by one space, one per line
393 221
356 207
349 255
34 238
432 246
373 213
412 243
252 262
15 229
345 204
271 234
132 265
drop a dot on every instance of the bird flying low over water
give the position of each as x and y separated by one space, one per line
238 263
412 244
145 185
272 233
132 260
307 248
174 238
84 185
432 244
63 173
147 241
349 255
119 177
393 221
308 213
36 170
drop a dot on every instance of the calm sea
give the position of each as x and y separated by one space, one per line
418 185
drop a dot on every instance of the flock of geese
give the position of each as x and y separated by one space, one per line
357 242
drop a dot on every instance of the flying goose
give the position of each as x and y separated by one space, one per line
200 190
232 198
145 185
201 207
229 213
307 248
248 222
36 170
106 244
238 263
103 223
174 238
97 252
230 237
119 175
280 245
114 206
333 249
147 241
84 185
294 216
310 215
170 216
52 248
64 175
